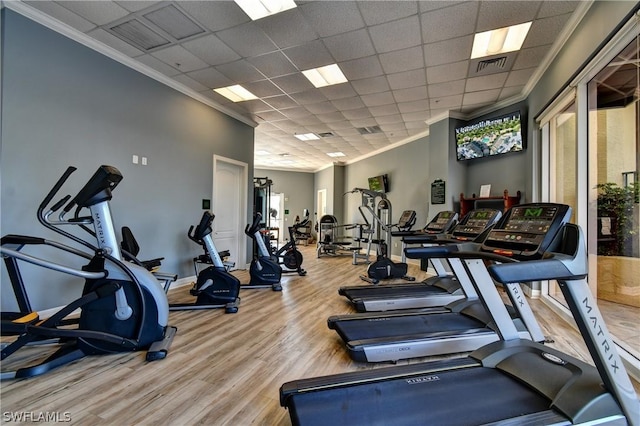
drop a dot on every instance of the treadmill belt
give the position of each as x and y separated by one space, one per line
385 292
384 327
469 396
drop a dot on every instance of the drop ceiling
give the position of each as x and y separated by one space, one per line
407 63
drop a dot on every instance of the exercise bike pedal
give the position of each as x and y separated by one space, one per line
158 350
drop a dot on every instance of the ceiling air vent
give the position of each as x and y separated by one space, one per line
492 64
139 35
369 130
326 135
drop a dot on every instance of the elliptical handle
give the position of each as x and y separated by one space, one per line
56 188
60 203
203 228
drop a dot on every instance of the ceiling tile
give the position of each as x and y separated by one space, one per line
240 71
271 116
448 88
421 115
410 94
63 15
389 119
309 55
211 78
321 107
98 12
519 77
331 18
498 14
351 45
180 58
255 106
247 40
481 97
280 102
449 23
366 86
396 35
363 122
189 82
427 5
508 92
134 6
288 28
377 99
361 68
341 126
551 8
158 65
295 112
492 81
378 111
405 107
309 97
451 102
377 12
357 114
402 80
293 83
347 104
532 57
331 117
545 31
273 64
263 88
338 91
447 72
402 60
211 50
216 16
448 51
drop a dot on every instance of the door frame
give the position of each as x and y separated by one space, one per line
242 241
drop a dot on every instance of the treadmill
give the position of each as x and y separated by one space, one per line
511 381
461 326
434 291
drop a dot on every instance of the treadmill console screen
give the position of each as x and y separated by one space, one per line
528 230
441 222
475 223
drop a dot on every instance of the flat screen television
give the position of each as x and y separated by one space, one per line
379 183
490 136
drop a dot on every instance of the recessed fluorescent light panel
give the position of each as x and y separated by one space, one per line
236 93
307 136
257 9
335 154
501 40
325 76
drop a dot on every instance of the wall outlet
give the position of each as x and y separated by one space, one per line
135 159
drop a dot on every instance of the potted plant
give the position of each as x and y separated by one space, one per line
617 204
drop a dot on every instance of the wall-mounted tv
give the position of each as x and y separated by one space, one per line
490 136
379 183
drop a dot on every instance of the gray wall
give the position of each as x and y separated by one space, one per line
64 104
297 188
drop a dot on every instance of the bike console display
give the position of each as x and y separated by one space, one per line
527 230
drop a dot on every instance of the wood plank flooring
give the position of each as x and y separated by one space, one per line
223 369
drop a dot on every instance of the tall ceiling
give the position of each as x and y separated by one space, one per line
407 62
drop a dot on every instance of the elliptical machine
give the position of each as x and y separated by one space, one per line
288 256
123 306
383 267
215 287
264 272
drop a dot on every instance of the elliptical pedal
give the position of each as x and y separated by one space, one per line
158 350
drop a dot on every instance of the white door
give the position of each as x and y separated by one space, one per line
229 206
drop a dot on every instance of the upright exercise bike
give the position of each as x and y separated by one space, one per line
264 272
215 287
123 307
288 256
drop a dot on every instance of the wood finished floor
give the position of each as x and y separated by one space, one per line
223 369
